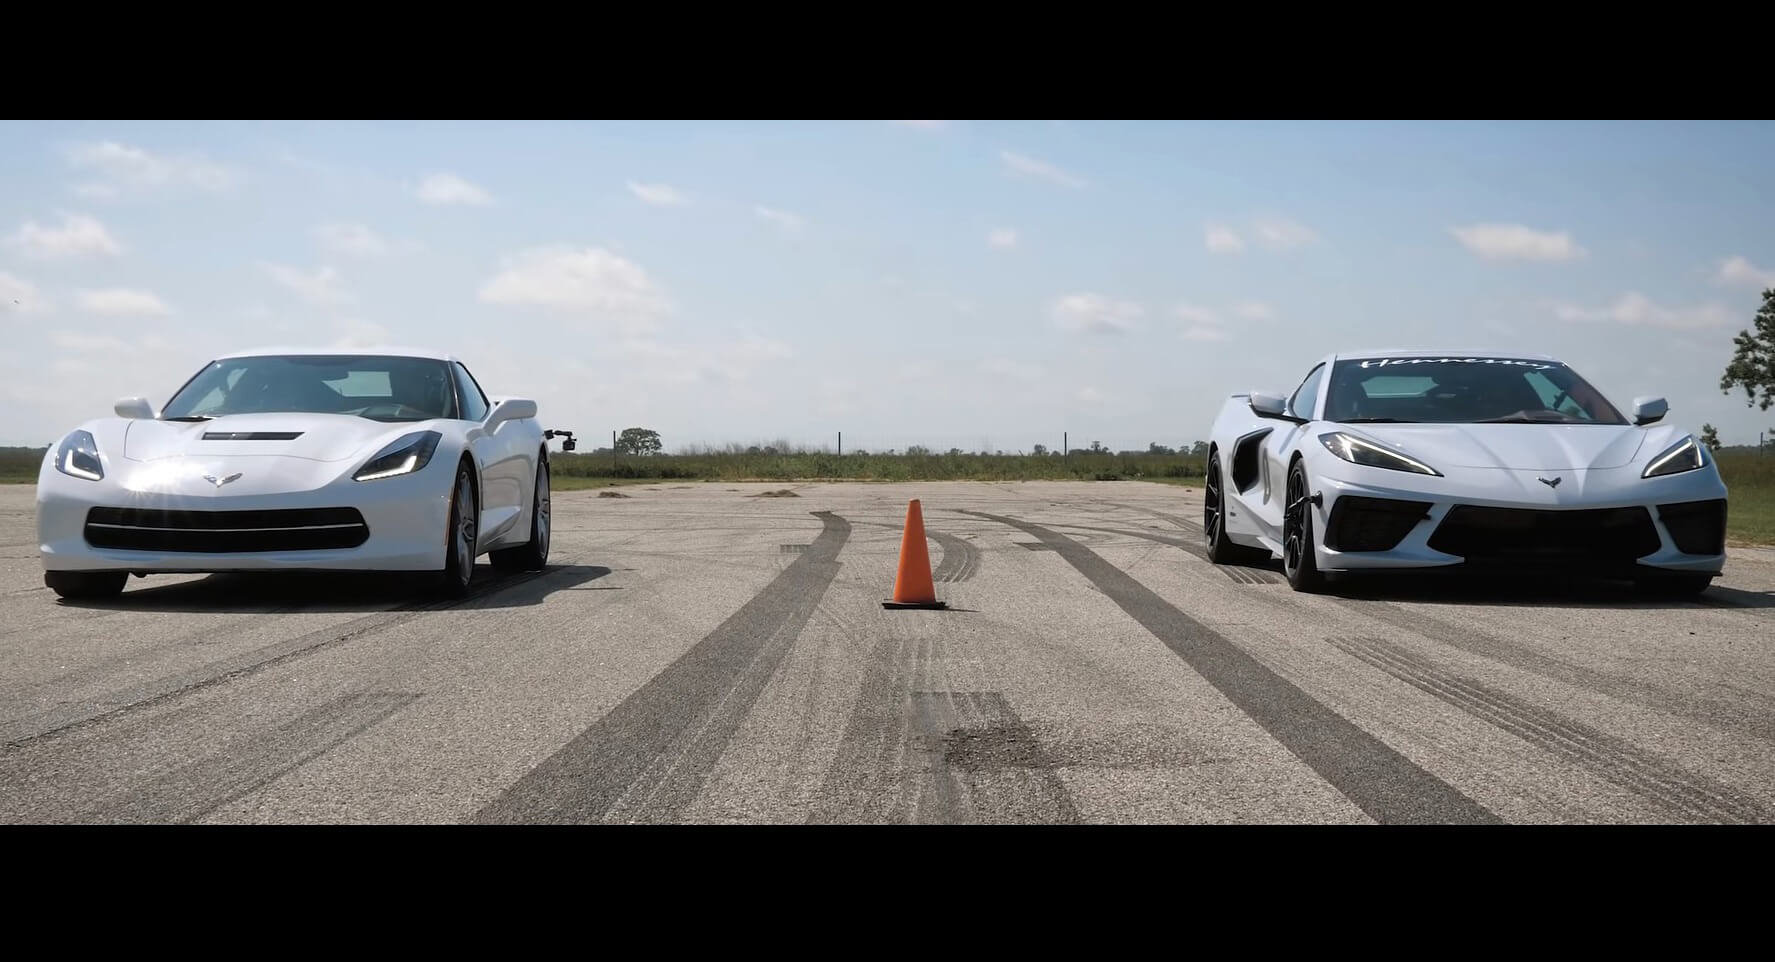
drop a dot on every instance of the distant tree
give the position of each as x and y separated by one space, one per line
1199 449
955 452
1041 450
1753 363
1155 447
638 441
1710 437
1097 447
917 450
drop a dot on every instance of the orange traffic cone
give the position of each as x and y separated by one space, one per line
912 586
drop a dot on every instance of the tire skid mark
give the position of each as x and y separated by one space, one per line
1645 775
192 791
1385 784
1177 519
16 734
646 759
915 751
961 558
1726 716
1238 574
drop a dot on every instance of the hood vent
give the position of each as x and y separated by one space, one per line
251 435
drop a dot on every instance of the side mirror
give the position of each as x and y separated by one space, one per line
510 409
1647 410
1267 405
134 408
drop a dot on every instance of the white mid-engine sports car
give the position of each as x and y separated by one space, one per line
1387 461
300 460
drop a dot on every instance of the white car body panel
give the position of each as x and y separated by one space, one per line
1590 466
170 466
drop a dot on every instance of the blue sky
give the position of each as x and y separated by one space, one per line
972 284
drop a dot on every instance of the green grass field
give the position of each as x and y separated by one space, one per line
1750 476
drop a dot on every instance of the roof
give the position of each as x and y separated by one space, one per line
424 352
1443 352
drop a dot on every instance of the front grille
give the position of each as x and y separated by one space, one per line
1535 538
214 532
1697 527
1371 524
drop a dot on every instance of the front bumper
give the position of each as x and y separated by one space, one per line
1600 522
190 530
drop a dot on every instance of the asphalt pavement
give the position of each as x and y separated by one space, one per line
697 653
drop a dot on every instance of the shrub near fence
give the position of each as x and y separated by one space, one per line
809 466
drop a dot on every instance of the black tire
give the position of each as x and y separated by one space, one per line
1298 562
534 554
1221 549
85 584
1686 585
460 534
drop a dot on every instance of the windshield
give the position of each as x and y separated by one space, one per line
378 388
1446 390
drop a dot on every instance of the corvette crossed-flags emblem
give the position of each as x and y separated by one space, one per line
218 482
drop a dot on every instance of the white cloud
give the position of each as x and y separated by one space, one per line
1222 239
1023 370
355 333
123 166
657 362
1280 233
1738 270
20 296
659 195
1269 233
592 282
1204 324
1090 395
355 240
320 287
781 218
1254 311
446 188
89 343
1030 167
120 301
1634 309
1197 315
1095 314
77 236
922 124
1514 241
1003 237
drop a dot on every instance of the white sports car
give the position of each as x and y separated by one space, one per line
300 460
1382 461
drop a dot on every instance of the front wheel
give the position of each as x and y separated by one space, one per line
458 573
85 584
1298 560
533 555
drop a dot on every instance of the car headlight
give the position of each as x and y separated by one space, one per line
78 457
404 455
1357 451
1685 455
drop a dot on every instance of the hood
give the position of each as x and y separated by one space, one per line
312 437
1520 447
